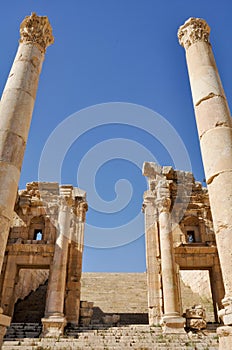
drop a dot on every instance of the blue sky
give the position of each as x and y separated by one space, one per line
114 51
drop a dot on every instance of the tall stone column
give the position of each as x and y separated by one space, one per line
16 108
152 258
215 133
171 320
73 285
54 320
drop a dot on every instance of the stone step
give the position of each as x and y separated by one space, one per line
139 338
23 330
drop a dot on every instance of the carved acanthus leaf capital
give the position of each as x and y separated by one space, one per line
164 204
81 210
193 30
36 30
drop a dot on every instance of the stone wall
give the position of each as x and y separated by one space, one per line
195 288
198 281
127 293
122 293
29 281
116 293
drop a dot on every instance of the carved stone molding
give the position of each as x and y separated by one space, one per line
193 30
36 30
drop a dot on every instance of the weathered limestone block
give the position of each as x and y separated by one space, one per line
225 337
226 313
4 322
53 327
86 313
196 323
111 319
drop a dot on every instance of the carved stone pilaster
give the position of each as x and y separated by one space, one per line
81 210
193 30
36 30
163 196
149 200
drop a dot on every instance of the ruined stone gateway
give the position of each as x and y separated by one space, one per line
46 301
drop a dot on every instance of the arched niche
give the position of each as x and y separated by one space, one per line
37 228
191 230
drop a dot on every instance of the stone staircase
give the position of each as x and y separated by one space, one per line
23 330
137 337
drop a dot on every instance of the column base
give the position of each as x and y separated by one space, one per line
153 317
173 324
4 323
53 326
226 313
225 337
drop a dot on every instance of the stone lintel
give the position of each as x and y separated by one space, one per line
30 248
192 31
192 249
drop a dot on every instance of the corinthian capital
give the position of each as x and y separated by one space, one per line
36 30
193 30
164 204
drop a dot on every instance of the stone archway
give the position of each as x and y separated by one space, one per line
30 308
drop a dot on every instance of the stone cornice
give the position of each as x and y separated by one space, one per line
36 30
193 30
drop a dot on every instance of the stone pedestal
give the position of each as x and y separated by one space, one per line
173 324
16 108
53 326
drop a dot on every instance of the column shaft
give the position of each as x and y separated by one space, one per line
168 265
72 301
215 133
152 259
16 108
15 114
57 278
